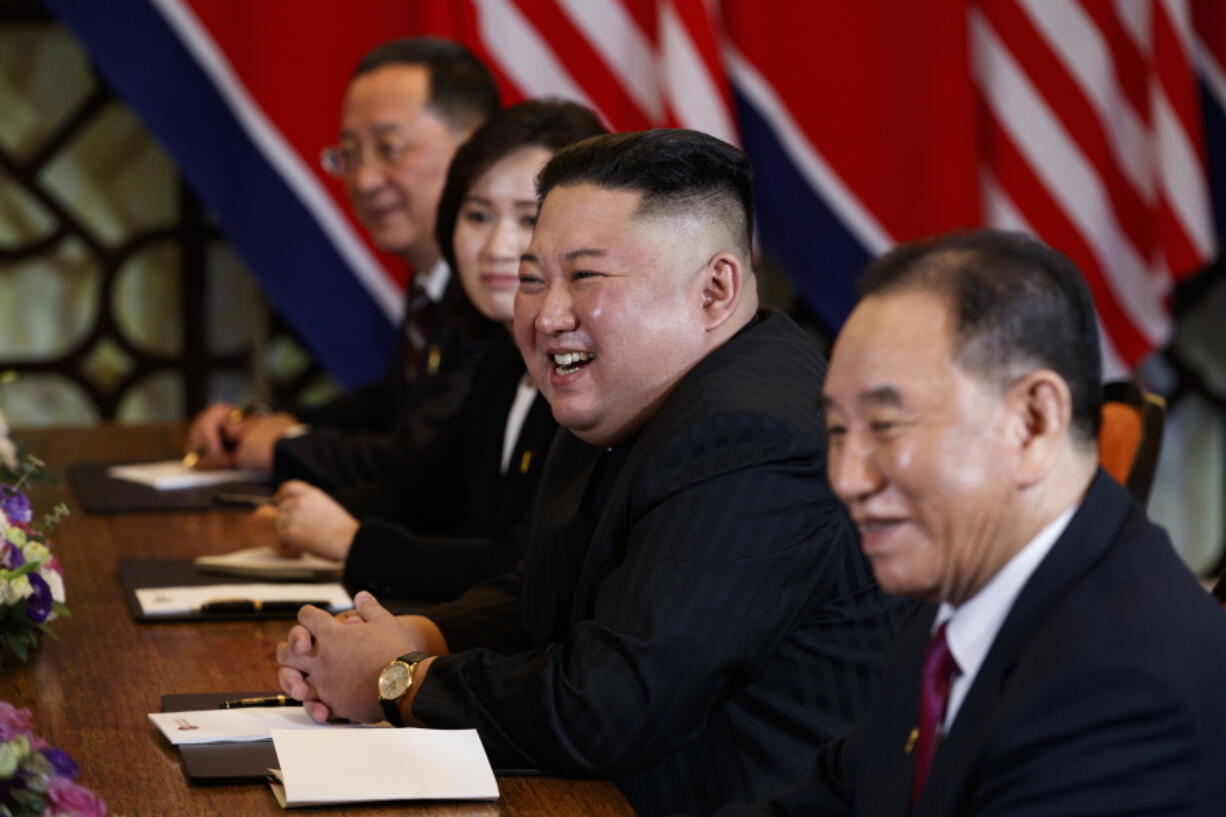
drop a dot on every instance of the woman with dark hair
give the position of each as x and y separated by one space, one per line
444 518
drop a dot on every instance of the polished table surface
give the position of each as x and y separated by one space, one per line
90 690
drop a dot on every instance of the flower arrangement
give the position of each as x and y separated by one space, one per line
31 580
37 780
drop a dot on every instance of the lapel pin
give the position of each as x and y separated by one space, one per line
911 740
525 462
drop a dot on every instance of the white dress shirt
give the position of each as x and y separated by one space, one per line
524 395
973 626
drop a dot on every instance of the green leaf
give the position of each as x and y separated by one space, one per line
33 803
60 609
18 572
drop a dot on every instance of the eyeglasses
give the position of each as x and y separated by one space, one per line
344 160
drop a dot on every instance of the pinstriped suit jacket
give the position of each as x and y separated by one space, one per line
701 634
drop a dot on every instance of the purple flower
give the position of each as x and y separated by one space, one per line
15 504
38 605
14 721
76 801
11 556
64 765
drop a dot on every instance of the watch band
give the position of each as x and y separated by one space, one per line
391 706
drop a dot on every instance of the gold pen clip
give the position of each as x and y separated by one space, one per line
525 462
434 359
911 740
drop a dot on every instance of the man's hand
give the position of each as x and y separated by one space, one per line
263 529
310 520
333 665
255 437
206 437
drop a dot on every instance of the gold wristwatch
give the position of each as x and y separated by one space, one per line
395 681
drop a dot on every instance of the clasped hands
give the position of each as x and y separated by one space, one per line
332 663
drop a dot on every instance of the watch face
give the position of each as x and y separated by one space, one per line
393 681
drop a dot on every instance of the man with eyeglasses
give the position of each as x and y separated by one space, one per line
409 105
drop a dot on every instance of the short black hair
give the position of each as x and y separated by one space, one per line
548 123
1016 301
672 169
462 91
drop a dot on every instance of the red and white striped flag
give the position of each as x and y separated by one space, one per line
868 123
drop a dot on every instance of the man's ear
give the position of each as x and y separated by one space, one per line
1042 414
723 280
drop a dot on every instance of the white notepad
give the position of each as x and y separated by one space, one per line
170 475
264 562
322 767
170 601
229 725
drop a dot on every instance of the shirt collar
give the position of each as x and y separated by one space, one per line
434 283
973 625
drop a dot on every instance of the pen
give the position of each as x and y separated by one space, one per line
245 500
271 700
258 605
252 407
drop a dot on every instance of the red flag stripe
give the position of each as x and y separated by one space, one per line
1209 21
703 29
1130 64
1063 93
1047 217
587 67
1182 257
1175 77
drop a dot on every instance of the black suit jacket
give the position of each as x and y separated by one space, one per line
701 635
446 516
1104 693
355 436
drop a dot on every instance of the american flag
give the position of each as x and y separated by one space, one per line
868 123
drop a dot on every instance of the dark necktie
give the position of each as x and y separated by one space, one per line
939 670
416 331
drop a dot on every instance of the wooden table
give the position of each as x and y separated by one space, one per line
90 691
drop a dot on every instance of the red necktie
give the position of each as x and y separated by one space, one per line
416 330
939 669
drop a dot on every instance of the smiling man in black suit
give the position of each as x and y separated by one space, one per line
694 615
1067 663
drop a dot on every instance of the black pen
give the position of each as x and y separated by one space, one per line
272 700
258 605
244 500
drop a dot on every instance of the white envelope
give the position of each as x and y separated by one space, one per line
373 765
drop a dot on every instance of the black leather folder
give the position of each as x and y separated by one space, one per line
99 493
213 763
241 761
138 573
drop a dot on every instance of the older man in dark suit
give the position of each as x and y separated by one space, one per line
694 615
1068 664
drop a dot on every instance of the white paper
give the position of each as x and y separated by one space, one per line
229 725
373 765
266 562
171 475
168 601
